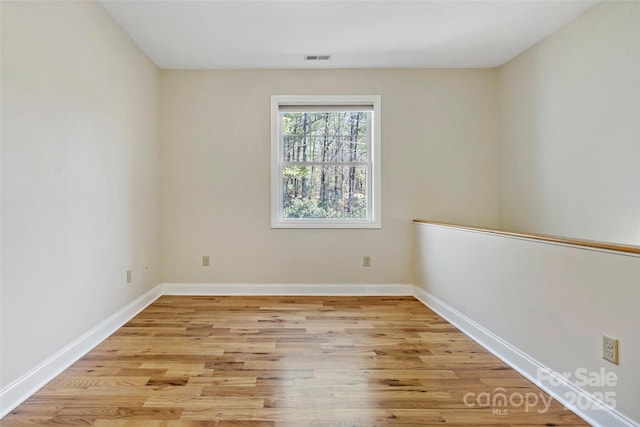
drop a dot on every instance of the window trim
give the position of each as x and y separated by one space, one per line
374 206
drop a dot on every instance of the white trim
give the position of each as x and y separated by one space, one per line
22 388
321 108
329 100
558 388
275 289
18 391
374 175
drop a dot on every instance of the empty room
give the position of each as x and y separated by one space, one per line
356 213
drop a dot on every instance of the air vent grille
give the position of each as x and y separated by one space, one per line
317 57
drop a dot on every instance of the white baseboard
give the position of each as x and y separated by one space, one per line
558 387
276 289
19 390
22 388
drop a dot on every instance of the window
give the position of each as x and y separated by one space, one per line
325 167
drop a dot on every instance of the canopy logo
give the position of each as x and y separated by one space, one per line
501 402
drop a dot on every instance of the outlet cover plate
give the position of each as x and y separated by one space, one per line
610 349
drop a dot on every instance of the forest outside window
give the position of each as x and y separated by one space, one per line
325 167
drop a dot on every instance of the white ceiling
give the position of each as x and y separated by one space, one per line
357 34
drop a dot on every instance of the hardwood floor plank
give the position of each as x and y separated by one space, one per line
287 361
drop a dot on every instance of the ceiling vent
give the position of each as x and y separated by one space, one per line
317 57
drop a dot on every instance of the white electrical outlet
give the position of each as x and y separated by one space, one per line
610 349
128 276
205 260
146 268
366 261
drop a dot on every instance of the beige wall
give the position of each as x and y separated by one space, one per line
81 164
79 176
569 124
570 130
551 302
438 161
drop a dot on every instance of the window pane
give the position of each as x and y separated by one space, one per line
338 136
331 192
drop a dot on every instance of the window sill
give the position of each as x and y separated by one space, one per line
326 224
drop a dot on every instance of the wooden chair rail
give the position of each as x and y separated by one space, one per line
616 247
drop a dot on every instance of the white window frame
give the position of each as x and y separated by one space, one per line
374 184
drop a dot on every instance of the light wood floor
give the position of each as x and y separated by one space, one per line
287 361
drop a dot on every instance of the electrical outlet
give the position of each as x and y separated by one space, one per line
128 276
146 268
366 261
610 349
205 260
